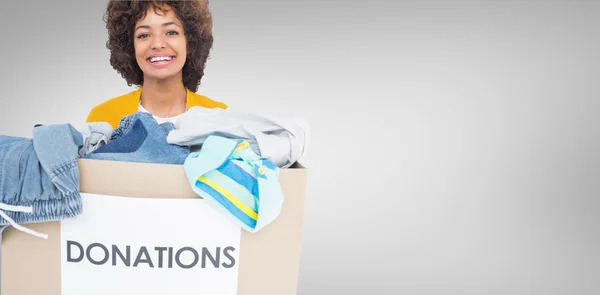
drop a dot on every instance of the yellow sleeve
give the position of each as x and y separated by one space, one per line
104 113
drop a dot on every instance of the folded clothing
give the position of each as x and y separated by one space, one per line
95 135
281 140
139 138
236 181
39 176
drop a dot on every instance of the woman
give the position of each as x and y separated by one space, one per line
162 47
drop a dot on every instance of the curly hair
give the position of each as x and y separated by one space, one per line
121 17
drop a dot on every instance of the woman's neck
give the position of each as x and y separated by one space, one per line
164 98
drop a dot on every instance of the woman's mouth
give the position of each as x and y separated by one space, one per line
161 60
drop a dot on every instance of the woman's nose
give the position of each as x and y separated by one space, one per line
158 42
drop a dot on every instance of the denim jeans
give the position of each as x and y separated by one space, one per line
39 176
139 138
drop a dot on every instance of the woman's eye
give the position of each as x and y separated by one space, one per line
172 33
140 36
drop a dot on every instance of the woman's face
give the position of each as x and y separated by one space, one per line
160 44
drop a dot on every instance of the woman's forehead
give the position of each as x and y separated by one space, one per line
158 15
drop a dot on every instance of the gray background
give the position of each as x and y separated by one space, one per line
454 145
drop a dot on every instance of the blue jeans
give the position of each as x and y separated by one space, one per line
39 176
139 138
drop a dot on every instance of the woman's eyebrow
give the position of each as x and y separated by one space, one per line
142 27
148 27
169 23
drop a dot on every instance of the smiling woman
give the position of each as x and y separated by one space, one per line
162 47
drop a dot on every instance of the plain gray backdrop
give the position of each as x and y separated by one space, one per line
454 145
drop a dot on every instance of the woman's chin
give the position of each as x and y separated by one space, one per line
160 76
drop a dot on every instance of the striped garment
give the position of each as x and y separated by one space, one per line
235 180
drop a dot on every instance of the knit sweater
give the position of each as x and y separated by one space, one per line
113 110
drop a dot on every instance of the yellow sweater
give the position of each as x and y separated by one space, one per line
113 110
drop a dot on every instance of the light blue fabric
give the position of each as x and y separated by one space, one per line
39 176
255 176
139 138
95 135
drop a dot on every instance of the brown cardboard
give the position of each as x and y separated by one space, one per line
269 260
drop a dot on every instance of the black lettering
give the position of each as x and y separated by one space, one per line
69 252
160 255
215 261
126 260
231 259
170 257
144 251
89 257
178 261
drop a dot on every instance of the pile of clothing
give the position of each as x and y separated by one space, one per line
232 159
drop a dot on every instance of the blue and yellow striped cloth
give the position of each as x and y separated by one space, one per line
235 180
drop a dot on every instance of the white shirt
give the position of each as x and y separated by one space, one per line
281 140
158 119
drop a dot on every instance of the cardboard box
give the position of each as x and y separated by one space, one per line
267 264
